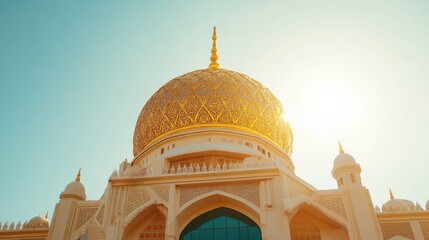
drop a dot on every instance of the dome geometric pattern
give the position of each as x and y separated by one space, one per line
212 98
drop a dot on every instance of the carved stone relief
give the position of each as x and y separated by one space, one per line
334 203
248 191
136 197
390 230
84 215
162 191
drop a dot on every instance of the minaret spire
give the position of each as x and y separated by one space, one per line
78 176
391 194
214 57
340 147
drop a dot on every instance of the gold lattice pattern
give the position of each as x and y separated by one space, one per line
212 97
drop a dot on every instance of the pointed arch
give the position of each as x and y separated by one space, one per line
309 222
221 223
143 218
308 203
213 200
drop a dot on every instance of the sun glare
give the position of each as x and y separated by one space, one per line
285 117
326 110
325 104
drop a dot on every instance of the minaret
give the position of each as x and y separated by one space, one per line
347 173
73 192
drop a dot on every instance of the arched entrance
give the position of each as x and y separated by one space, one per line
221 224
149 224
310 224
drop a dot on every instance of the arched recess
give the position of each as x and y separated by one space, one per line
309 223
307 203
149 224
221 224
213 200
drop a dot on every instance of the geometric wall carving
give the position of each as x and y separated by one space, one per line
100 216
424 225
248 191
390 230
334 203
136 197
162 191
84 215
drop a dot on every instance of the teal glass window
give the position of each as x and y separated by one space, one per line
221 224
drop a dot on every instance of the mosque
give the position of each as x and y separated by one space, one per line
212 160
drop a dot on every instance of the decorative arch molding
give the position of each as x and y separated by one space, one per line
222 223
155 200
76 234
302 202
213 200
133 219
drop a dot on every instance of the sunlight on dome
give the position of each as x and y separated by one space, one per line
285 117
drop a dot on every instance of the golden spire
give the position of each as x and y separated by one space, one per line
340 147
78 176
214 57
46 216
391 194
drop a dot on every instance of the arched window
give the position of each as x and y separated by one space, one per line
221 224
353 177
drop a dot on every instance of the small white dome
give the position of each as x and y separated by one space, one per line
398 205
74 189
38 222
344 159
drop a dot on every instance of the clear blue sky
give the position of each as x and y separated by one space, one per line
74 77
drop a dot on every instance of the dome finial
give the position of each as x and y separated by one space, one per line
78 176
46 216
391 194
340 147
214 57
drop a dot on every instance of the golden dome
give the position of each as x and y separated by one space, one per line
212 98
